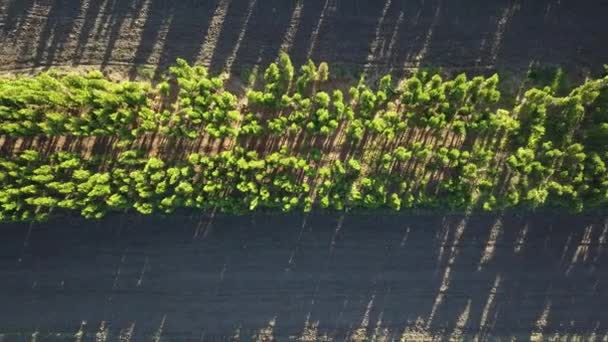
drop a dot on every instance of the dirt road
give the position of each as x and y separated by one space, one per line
416 277
386 35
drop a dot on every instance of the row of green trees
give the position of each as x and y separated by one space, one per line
232 181
54 104
560 153
81 105
422 142
190 103
235 181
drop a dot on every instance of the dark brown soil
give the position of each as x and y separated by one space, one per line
416 277
382 35
422 276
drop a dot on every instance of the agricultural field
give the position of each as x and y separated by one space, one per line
384 35
313 170
317 277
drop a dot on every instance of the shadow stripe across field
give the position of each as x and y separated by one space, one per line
386 35
183 278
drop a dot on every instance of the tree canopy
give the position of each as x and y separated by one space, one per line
296 142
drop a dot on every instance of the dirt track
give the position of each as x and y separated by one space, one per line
383 35
485 276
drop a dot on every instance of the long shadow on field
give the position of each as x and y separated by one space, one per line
57 30
16 12
376 36
178 27
108 25
324 275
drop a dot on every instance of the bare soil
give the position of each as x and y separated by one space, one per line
387 35
418 277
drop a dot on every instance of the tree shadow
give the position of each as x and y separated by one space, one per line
56 32
378 36
111 25
167 26
15 13
399 276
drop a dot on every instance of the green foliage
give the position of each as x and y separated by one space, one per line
82 105
426 142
